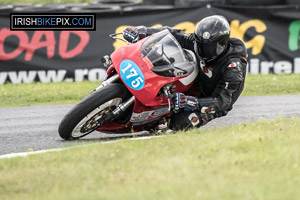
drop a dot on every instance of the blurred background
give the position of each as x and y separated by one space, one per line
269 28
155 2
67 4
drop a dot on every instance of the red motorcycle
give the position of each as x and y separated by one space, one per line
134 96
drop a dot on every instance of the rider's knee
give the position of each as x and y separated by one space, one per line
186 120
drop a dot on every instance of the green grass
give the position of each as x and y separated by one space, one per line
272 85
247 161
65 93
44 93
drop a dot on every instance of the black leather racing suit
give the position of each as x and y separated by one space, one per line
218 84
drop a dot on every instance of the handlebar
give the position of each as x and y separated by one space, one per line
114 36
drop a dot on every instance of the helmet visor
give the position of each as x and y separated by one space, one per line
208 51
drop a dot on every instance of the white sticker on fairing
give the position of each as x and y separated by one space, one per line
143 116
139 117
194 119
161 111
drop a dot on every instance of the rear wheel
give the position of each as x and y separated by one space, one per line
82 118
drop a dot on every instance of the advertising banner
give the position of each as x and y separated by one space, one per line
271 35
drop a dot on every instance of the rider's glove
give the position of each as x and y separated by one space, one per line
188 103
134 34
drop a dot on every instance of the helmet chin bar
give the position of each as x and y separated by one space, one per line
220 50
198 55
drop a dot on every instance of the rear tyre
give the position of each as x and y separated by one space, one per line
82 118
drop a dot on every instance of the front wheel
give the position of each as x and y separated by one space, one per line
82 118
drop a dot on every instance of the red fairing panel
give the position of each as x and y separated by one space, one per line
153 82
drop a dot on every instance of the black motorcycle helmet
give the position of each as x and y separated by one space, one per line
211 37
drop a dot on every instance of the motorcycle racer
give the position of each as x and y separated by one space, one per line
222 62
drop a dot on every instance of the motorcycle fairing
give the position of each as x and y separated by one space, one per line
144 68
148 56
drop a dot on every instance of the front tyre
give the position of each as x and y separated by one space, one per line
82 118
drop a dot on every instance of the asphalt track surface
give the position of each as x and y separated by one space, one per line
35 127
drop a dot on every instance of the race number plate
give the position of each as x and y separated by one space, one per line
132 75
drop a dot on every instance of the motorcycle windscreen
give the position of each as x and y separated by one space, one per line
166 55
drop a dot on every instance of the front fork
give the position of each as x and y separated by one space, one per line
116 112
168 90
112 79
121 108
